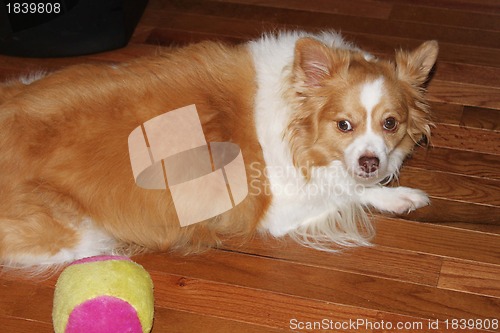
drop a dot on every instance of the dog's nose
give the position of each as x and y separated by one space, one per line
368 164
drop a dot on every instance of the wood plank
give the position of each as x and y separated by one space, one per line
172 37
454 213
437 240
373 261
320 284
481 6
445 16
455 161
464 94
451 186
175 321
445 113
477 278
360 9
474 226
467 74
481 118
26 300
209 24
466 116
469 139
21 325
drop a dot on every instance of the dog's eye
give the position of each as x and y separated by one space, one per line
344 126
390 124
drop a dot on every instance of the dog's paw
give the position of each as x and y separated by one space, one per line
398 200
406 200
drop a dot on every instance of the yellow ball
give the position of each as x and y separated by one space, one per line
103 294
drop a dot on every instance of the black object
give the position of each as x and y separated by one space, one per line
60 28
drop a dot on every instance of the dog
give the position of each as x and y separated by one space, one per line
322 126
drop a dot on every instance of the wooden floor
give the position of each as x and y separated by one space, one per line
440 263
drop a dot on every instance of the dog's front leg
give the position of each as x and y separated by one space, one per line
399 200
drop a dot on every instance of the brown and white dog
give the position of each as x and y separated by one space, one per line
320 123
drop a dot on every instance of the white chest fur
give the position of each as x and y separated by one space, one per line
296 204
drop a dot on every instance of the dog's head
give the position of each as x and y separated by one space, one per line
364 112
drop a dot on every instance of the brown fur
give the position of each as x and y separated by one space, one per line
64 155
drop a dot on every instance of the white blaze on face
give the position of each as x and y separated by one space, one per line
368 142
371 94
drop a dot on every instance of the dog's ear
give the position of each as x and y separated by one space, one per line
414 67
314 62
313 66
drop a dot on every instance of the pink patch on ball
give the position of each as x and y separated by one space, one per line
104 314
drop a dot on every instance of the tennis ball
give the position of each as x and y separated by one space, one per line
103 294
